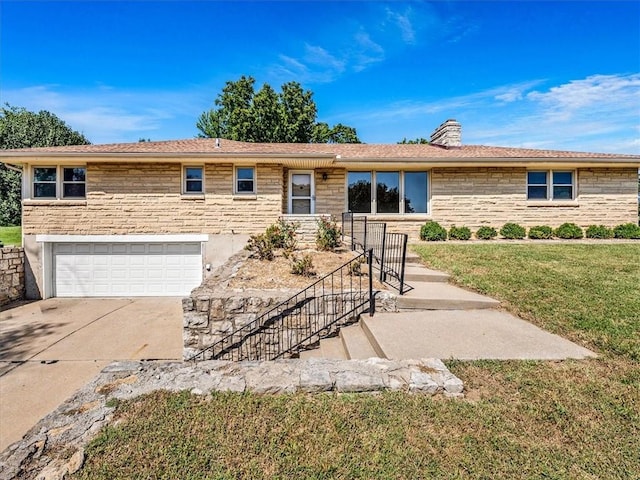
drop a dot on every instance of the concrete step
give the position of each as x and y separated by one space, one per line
465 335
356 344
443 296
313 353
331 347
413 258
418 273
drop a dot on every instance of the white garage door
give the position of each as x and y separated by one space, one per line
126 269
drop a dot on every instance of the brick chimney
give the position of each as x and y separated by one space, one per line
447 135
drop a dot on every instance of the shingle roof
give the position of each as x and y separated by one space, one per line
363 151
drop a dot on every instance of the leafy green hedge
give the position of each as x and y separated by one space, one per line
541 232
459 233
627 230
569 231
599 231
513 231
433 232
486 233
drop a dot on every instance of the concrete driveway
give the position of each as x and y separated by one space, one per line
50 348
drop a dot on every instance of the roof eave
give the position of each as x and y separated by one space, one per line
295 160
491 162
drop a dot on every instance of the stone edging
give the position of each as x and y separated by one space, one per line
54 447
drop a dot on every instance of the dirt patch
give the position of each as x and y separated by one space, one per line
276 273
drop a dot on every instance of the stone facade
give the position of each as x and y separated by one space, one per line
127 198
11 274
494 196
479 196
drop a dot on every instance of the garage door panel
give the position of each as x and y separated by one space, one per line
126 269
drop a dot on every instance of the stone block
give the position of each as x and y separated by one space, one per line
355 381
423 382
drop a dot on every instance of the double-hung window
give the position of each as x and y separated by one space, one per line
45 181
74 182
59 182
550 185
193 180
387 192
245 180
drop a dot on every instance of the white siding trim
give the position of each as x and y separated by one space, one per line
183 237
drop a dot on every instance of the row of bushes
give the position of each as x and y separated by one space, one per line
433 231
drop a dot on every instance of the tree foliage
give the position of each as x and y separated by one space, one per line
267 116
417 141
20 128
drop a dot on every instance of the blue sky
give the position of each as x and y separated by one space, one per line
540 74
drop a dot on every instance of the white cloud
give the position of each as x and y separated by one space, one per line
106 114
600 113
403 22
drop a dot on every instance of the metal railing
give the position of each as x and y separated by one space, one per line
314 313
389 249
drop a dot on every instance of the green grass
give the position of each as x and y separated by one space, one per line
11 236
518 420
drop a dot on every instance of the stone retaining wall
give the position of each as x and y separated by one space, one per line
214 310
11 274
207 319
55 447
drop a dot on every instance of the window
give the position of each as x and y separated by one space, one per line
388 192
193 180
44 182
415 192
395 192
74 182
563 185
550 185
245 180
59 182
359 189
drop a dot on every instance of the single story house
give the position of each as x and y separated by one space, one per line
151 218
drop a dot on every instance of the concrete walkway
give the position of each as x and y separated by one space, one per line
439 320
51 348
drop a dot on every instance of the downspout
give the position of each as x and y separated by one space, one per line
12 167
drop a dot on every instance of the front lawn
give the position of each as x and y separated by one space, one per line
519 420
11 236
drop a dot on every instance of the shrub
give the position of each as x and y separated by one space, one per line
355 267
513 231
627 230
433 232
541 232
599 231
459 233
328 235
260 247
302 266
486 233
568 231
282 235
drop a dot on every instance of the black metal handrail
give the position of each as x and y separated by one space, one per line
314 313
389 249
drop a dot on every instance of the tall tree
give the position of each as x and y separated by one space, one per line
268 116
20 128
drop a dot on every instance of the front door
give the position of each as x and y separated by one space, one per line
302 196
